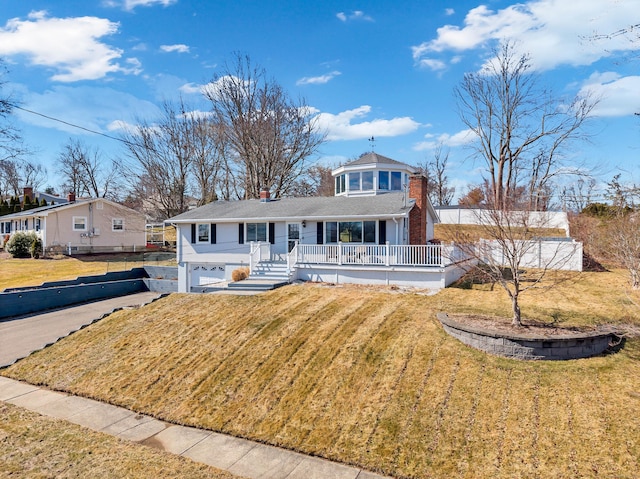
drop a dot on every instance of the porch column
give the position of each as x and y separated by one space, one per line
339 252
387 253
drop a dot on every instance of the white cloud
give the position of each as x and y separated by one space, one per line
554 32
341 126
354 16
180 48
191 89
449 11
618 96
461 138
319 80
131 4
77 52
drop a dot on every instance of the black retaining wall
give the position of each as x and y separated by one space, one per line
59 294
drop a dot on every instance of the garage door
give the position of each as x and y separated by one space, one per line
207 273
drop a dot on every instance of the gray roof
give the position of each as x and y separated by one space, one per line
374 158
33 211
387 205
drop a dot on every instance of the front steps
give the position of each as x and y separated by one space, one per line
266 275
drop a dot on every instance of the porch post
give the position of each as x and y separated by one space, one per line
387 253
339 252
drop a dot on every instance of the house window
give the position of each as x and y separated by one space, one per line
367 180
383 180
203 233
79 223
331 232
350 231
396 180
117 224
256 232
354 181
37 221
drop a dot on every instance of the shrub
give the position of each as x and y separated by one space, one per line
240 274
23 245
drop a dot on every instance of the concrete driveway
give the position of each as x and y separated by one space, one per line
20 336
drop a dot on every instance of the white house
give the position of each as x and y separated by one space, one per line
375 230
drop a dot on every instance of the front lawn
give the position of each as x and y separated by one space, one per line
368 377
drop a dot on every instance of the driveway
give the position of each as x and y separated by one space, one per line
20 336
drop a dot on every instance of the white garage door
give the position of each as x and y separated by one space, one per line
207 273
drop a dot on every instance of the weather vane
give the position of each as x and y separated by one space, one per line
372 140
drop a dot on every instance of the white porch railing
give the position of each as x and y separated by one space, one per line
381 255
258 251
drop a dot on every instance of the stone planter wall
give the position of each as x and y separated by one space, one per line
568 346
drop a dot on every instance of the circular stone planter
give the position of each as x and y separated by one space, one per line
569 345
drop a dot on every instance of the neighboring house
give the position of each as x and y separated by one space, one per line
82 226
375 230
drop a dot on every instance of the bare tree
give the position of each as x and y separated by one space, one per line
84 173
521 129
439 191
580 194
178 155
316 181
623 237
270 134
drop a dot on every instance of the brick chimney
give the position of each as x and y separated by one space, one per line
71 197
418 214
27 191
265 195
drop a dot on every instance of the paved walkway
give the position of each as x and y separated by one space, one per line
20 336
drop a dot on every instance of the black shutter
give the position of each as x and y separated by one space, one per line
272 233
241 233
319 232
213 233
382 232
193 233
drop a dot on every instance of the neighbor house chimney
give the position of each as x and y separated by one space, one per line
27 191
71 197
418 214
265 195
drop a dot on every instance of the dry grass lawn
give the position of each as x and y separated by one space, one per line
35 446
368 377
448 232
33 272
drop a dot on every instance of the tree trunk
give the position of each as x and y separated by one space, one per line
517 320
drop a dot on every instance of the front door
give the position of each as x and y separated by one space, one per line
293 235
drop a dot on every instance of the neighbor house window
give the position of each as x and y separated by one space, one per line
79 223
37 220
203 233
256 232
117 224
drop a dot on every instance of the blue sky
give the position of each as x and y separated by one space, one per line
379 68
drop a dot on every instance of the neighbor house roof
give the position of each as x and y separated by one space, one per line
388 205
45 210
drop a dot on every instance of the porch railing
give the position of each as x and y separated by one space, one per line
258 251
382 255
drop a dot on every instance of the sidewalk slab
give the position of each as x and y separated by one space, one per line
66 407
266 462
135 428
316 468
219 450
37 400
10 389
99 416
177 439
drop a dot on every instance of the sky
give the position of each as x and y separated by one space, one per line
382 69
